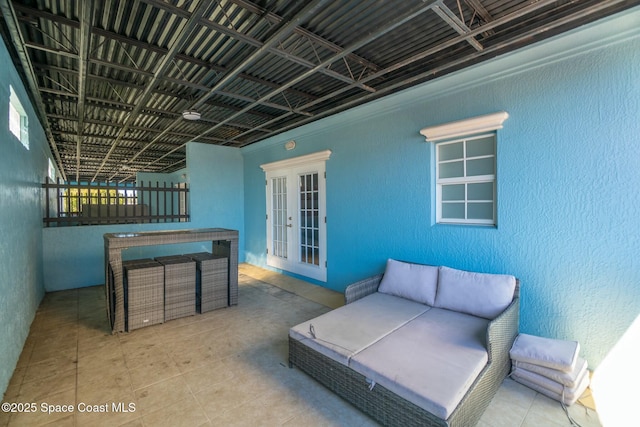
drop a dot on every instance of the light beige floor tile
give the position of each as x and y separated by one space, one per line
549 410
42 387
154 397
5 416
106 415
144 354
222 397
251 413
227 366
184 413
154 372
14 384
68 421
208 375
50 367
42 415
115 387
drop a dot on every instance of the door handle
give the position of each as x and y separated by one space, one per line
289 225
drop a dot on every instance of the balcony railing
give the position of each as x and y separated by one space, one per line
89 204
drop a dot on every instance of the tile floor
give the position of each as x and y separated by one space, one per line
226 367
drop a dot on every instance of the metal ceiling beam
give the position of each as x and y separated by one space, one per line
176 47
121 106
11 20
454 22
481 11
140 128
259 45
86 13
276 19
178 82
415 11
533 7
284 31
138 43
442 46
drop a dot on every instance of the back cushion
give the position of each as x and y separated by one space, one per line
480 294
411 281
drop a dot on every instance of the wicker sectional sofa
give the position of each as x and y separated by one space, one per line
417 345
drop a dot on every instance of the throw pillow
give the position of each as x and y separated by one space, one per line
481 294
416 282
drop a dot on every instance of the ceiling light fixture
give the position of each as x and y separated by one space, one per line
190 115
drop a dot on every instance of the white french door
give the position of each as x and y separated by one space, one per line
296 215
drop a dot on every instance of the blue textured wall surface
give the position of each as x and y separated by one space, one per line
74 256
21 174
568 176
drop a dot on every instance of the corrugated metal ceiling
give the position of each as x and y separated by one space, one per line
110 79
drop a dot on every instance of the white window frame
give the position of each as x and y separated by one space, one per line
51 170
292 169
465 180
465 130
18 120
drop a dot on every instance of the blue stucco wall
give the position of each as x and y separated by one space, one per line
568 174
74 256
21 174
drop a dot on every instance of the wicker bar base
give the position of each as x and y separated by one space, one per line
144 293
179 286
212 281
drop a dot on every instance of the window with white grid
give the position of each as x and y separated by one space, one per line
466 181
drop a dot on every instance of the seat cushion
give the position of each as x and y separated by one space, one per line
431 361
343 332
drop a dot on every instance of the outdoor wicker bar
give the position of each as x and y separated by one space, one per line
224 243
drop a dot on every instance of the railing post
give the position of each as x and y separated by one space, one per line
173 194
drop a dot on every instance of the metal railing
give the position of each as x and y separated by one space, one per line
90 204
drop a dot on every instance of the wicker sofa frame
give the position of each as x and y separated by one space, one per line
388 408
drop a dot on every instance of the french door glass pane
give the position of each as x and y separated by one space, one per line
309 221
279 217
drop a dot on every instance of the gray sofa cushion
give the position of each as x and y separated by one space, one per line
548 352
431 361
480 294
411 281
343 332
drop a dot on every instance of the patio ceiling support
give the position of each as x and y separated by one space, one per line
176 47
415 11
454 22
276 19
308 10
86 12
12 24
273 48
499 21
